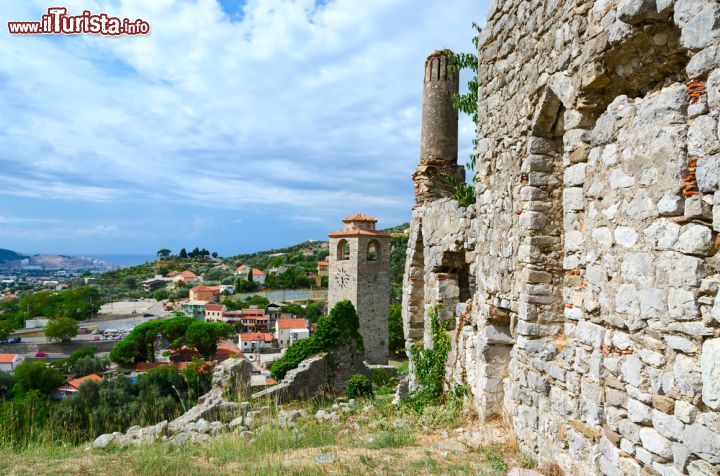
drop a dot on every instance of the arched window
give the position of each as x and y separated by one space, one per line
373 250
343 250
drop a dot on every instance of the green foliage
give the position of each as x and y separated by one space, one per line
61 329
139 345
6 383
78 354
88 365
161 294
494 457
338 328
381 378
468 103
429 367
163 253
292 278
314 311
359 386
204 336
6 327
397 337
244 286
37 375
463 193
77 303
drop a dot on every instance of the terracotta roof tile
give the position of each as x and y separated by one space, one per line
292 323
340 233
359 217
7 358
250 336
76 382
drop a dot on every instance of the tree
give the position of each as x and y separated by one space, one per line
314 311
215 254
61 329
163 253
37 375
183 254
250 275
204 336
6 383
6 327
245 286
161 294
397 338
131 282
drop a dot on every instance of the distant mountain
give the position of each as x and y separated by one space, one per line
9 255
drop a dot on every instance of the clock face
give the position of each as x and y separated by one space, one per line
342 279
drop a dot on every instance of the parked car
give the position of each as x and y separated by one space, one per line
147 314
41 354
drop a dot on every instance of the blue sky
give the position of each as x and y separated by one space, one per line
234 126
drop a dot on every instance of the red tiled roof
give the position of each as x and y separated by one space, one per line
147 366
188 274
202 287
258 272
292 323
253 312
225 350
172 274
76 382
255 318
359 217
271 381
250 336
7 358
214 307
335 234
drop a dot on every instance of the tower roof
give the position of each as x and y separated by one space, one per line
359 217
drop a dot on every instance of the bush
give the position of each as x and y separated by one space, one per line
359 386
37 375
338 328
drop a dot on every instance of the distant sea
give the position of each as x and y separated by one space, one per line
124 261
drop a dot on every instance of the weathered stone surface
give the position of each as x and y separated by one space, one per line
695 240
710 369
703 442
656 443
708 173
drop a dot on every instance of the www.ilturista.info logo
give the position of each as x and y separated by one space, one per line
57 22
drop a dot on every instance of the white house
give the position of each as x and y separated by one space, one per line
252 341
9 362
289 330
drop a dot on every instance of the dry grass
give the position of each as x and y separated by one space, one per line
381 441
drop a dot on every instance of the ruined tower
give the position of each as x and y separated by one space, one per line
359 272
439 135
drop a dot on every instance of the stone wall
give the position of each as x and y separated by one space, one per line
581 287
320 376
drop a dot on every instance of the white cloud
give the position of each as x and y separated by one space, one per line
295 106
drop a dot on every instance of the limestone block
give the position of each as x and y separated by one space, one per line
656 443
652 302
697 109
668 425
694 239
625 236
575 175
662 234
712 87
703 442
710 370
530 220
697 207
670 205
681 344
627 300
708 173
639 412
636 11
687 376
630 430
589 333
682 304
701 468
700 29
702 134
685 411
618 179
703 62
574 199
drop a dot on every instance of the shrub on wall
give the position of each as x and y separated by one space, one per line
340 327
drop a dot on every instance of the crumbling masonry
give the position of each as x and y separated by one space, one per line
580 289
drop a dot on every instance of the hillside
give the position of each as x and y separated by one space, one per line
9 255
286 268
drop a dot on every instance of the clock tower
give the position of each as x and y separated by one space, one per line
360 273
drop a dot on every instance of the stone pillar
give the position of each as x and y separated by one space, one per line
439 134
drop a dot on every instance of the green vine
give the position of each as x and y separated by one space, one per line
468 104
429 367
463 193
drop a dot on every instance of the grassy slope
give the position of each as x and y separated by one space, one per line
383 440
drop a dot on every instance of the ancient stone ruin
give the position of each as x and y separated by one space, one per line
580 288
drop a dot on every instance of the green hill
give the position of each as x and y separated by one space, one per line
9 255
